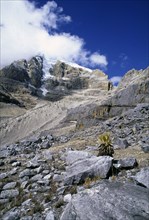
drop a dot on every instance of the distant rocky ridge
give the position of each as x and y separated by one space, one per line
63 79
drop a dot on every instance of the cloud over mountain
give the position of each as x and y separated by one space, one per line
115 80
27 31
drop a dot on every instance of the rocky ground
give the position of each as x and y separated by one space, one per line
48 156
60 177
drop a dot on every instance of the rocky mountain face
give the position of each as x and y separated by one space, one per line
63 79
51 118
132 90
66 78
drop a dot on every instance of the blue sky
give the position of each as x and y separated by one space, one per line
112 35
118 29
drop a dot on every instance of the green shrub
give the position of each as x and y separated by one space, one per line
105 145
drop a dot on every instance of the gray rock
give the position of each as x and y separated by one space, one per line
13 171
57 178
129 162
46 144
32 164
1 163
49 216
109 201
142 177
3 175
63 139
11 215
38 169
3 201
43 182
16 71
37 177
6 194
27 202
24 184
4 153
26 218
46 172
47 155
50 137
67 198
145 148
121 143
35 71
27 172
48 176
94 166
15 164
11 185
73 156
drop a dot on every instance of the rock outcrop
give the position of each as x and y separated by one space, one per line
80 169
16 71
133 89
26 72
35 72
109 201
142 177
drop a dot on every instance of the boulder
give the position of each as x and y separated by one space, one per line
145 148
9 193
10 185
11 215
27 172
127 163
121 143
80 169
49 216
142 177
109 201
74 156
145 144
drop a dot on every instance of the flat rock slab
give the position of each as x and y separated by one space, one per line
9 193
88 166
74 156
129 162
108 201
142 177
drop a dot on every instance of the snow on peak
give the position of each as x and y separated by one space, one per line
48 64
75 65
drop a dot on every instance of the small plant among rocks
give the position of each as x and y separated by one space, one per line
105 147
89 181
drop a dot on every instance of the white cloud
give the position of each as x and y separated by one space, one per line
27 31
115 80
96 58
